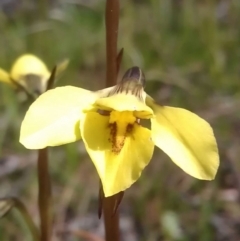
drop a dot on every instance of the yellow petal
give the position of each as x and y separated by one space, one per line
28 64
187 139
117 171
53 119
4 77
125 102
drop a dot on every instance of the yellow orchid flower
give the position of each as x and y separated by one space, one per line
109 122
29 72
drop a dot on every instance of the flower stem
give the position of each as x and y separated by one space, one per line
109 206
44 184
111 20
44 195
111 216
111 220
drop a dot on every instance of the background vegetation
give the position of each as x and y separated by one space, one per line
190 53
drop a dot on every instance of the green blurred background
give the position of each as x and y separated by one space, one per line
190 53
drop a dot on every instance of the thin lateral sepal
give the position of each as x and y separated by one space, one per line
52 78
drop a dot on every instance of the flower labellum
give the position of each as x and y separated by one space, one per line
109 123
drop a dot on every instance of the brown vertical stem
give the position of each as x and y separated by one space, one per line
111 220
109 206
111 216
44 196
44 184
112 20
